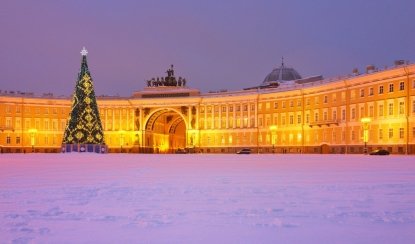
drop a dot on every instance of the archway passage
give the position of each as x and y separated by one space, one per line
165 132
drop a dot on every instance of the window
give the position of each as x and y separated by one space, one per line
283 104
18 140
46 110
334 115
202 110
371 111
325 99
380 89
315 116
231 108
401 133
413 106
291 103
291 119
8 140
390 133
224 109
325 116
343 114
46 125
283 120
18 109
390 87
299 103
308 100
371 91
380 109
299 119
268 105
401 108
275 105
353 113
380 134
390 109
307 118
362 92
238 108
401 86
362 112
353 135
253 107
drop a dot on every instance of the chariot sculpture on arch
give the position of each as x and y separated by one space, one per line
167 81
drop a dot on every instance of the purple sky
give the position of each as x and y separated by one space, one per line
214 44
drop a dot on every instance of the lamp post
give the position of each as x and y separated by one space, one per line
365 123
32 138
273 129
122 133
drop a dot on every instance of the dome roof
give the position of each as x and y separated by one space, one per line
281 74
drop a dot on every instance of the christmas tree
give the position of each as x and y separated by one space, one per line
84 125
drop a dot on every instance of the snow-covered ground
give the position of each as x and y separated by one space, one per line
113 198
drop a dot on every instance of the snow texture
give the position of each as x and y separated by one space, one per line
131 198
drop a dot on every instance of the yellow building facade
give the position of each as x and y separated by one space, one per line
339 115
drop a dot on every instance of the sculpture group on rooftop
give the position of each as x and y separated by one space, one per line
169 80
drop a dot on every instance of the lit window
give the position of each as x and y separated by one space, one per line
390 133
381 110
401 108
390 109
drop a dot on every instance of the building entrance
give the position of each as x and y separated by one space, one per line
165 132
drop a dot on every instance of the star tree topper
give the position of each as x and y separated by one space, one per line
84 52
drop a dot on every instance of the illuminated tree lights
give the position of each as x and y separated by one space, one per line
84 124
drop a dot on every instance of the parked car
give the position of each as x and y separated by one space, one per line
244 151
181 151
379 152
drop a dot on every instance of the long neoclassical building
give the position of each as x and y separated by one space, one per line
284 114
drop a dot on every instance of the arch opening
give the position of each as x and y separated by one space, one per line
165 132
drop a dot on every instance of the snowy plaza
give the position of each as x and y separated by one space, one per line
197 198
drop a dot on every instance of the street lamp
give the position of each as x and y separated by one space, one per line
273 129
32 138
365 123
122 133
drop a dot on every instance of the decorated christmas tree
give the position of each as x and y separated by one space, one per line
84 124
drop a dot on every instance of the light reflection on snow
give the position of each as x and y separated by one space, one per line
206 198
